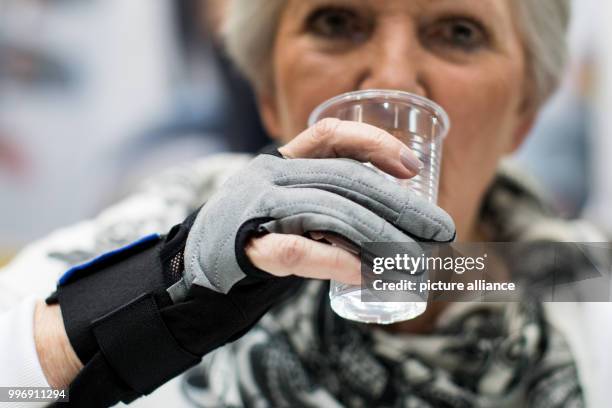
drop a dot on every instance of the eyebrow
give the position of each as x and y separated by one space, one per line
302 4
484 6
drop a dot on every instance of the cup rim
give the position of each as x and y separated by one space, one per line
365 94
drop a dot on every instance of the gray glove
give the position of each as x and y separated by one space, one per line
298 196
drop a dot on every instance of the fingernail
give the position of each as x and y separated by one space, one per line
410 161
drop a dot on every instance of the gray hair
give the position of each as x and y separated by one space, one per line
251 27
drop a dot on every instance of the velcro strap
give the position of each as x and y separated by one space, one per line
97 386
139 347
104 289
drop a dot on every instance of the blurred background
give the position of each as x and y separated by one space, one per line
97 94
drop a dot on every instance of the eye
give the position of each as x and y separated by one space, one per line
338 23
458 33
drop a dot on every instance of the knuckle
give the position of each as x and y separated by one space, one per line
254 250
325 129
291 251
344 266
336 261
379 138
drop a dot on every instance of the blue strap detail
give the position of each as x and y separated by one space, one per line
71 273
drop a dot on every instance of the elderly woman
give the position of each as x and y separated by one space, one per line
136 317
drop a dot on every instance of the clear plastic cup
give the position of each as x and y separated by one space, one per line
422 125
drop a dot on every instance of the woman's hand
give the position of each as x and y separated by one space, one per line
258 222
288 254
316 187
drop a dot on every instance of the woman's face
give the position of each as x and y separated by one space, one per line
466 55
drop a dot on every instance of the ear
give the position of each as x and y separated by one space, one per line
270 115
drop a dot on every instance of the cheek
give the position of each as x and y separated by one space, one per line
483 105
304 79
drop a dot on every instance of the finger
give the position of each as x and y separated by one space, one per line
332 138
285 254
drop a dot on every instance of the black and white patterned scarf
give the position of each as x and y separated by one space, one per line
479 355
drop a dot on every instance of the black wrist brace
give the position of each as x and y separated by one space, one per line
129 334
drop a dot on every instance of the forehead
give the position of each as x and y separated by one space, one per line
493 8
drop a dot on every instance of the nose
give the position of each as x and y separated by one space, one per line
394 60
